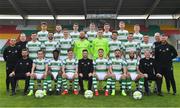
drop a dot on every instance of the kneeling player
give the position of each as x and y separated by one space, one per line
118 72
55 71
101 72
133 72
70 70
39 72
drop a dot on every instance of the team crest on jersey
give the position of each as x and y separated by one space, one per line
167 49
27 63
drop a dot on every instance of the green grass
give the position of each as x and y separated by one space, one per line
79 101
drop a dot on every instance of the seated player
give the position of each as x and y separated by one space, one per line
118 71
70 72
101 72
133 73
39 72
55 66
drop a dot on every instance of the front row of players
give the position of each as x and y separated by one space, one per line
66 71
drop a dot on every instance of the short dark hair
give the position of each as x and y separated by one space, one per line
75 24
121 22
114 31
25 49
117 50
70 49
137 25
106 24
130 33
43 23
85 50
56 51
40 51
33 33
100 49
99 29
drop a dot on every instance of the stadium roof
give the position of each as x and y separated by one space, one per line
89 7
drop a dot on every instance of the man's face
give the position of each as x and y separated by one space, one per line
85 54
92 27
34 36
157 37
121 25
114 36
131 54
65 33
44 27
58 28
118 54
106 27
100 33
82 35
164 38
12 42
136 28
22 38
50 36
56 55
75 27
130 37
147 54
70 54
100 53
24 53
40 55
146 38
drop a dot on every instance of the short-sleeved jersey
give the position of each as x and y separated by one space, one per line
64 45
74 35
33 47
132 65
107 35
42 36
137 37
58 36
117 65
91 35
130 46
145 46
55 65
49 47
70 65
101 65
113 45
122 35
40 65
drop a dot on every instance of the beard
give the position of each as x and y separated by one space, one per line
82 37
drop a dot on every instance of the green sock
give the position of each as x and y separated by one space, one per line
64 80
49 85
123 84
108 83
128 83
141 83
59 82
95 83
44 84
113 83
76 83
31 84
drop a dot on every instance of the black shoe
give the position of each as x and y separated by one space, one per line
13 93
49 92
174 94
160 94
7 91
57 92
168 92
81 92
148 93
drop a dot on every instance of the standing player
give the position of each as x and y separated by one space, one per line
98 43
133 73
130 45
33 46
39 72
50 46
91 34
118 70
81 45
43 34
101 72
137 35
75 33
65 43
58 34
107 34
145 45
70 72
55 66
114 44
122 34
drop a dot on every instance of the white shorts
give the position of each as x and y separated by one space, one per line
118 76
133 76
39 76
54 74
101 76
70 76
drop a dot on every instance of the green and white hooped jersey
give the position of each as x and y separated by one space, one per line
40 65
42 36
55 65
132 65
107 35
49 47
117 65
137 37
65 44
145 46
122 35
101 65
74 35
130 46
58 36
33 47
113 45
70 65
91 35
